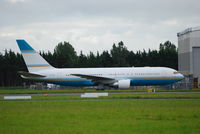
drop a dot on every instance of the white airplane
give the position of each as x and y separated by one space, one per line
123 77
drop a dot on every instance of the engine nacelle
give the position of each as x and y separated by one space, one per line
123 83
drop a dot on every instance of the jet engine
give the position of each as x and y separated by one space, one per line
122 84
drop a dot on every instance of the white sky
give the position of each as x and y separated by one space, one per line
94 25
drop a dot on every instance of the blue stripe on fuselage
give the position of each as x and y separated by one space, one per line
74 83
153 82
134 82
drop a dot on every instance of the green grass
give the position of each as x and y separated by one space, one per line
127 96
30 91
106 116
159 95
101 117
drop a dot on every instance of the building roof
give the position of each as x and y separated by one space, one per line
188 30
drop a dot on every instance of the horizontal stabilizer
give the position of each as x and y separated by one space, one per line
30 75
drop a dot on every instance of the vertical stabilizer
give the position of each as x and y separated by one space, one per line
34 61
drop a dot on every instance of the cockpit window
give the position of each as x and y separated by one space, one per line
176 72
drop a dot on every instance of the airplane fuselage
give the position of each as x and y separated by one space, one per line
137 75
120 77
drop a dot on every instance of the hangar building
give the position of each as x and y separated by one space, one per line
189 53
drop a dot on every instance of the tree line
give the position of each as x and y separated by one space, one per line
65 56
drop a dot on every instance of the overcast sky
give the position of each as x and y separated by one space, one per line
94 25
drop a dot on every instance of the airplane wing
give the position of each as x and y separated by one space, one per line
32 75
99 79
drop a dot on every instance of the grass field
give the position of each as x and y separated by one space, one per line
101 116
7 90
131 95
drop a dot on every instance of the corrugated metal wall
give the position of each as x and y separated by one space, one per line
196 61
184 53
186 42
189 52
184 62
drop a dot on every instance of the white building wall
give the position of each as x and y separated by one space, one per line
187 39
194 42
189 51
